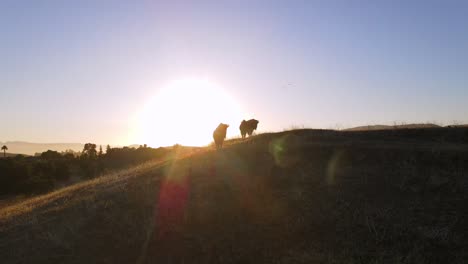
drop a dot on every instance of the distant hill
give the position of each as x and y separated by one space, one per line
458 126
9 154
385 127
29 148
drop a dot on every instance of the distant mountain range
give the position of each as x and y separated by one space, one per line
9 155
28 148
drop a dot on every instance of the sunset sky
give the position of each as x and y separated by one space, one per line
166 72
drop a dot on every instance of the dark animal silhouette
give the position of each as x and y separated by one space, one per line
220 134
247 127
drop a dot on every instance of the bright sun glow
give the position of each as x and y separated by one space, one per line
186 112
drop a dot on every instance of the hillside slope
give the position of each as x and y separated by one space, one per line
303 196
387 127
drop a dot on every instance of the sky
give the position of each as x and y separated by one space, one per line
88 71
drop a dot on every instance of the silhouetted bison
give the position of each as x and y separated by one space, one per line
220 134
247 127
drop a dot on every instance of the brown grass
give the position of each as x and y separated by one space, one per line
302 196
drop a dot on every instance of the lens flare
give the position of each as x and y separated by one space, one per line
333 166
285 150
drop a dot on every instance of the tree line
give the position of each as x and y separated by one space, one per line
47 170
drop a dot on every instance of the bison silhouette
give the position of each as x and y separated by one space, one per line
247 127
220 134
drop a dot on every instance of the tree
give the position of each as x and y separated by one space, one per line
4 148
70 153
108 149
50 155
100 151
89 150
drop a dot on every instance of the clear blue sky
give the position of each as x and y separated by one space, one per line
79 71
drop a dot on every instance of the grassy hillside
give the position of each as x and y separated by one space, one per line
303 196
387 127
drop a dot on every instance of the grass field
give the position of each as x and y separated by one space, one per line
301 196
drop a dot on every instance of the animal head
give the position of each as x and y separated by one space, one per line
254 123
222 126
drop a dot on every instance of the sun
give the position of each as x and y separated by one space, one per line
186 112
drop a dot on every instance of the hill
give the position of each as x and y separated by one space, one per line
458 126
302 196
7 154
29 148
385 127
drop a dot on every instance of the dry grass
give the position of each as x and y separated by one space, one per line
71 192
110 180
302 196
